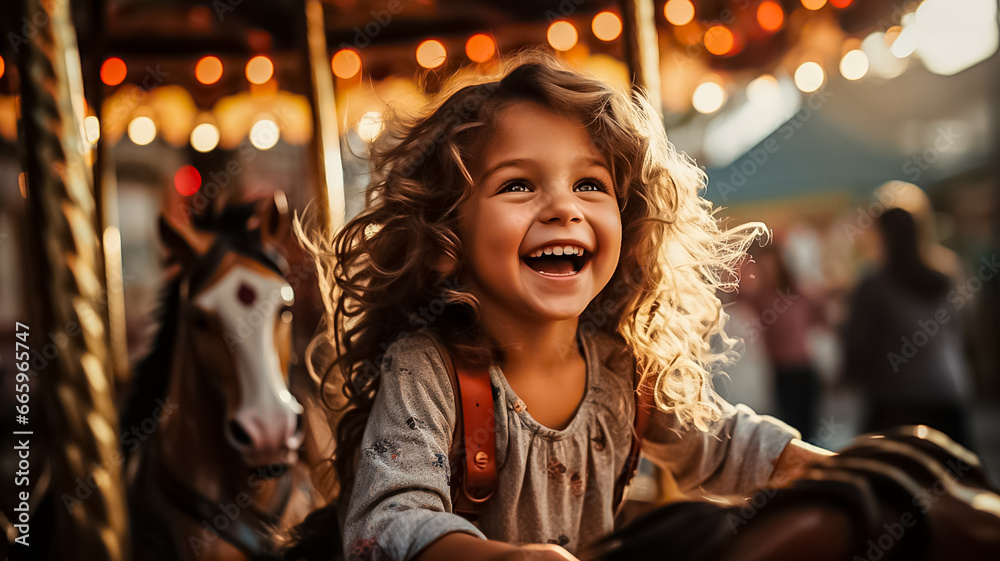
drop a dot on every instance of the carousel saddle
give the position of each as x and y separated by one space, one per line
909 494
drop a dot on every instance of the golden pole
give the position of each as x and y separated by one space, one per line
68 287
642 49
330 164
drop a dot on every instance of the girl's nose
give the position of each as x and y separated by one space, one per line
561 207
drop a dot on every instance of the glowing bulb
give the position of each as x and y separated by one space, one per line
770 15
813 4
431 53
370 126
607 26
708 97
141 130
346 63
259 70
719 40
113 71
562 35
854 65
763 90
187 180
264 134
205 137
93 129
679 12
480 47
208 70
2 67
809 76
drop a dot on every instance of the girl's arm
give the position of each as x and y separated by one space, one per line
464 546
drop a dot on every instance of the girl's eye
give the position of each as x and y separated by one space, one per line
515 186
592 184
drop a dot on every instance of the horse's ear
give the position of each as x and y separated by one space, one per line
183 242
274 219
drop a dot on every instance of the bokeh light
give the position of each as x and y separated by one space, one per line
259 70
346 63
113 71
809 76
205 137
370 126
607 26
562 35
141 130
854 65
92 128
480 47
841 3
813 4
187 180
719 40
264 134
770 16
208 70
431 54
679 12
2 67
763 89
708 97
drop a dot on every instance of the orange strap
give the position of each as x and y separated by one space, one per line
473 448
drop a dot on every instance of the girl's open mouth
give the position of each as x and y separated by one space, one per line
557 261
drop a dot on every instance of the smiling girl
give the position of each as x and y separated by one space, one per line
563 244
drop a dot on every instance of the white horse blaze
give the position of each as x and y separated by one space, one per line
267 410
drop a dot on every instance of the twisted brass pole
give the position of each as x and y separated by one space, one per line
68 284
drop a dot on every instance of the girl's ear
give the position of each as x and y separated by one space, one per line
183 242
273 220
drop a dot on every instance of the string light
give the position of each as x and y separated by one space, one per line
205 137
813 4
708 97
208 70
562 35
370 126
431 53
480 47
770 15
809 76
113 71
854 65
841 3
2 67
141 130
259 70
346 63
719 40
187 180
264 134
607 26
679 12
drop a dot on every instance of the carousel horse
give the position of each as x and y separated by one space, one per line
911 494
211 430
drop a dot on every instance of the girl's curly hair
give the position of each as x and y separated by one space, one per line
381 273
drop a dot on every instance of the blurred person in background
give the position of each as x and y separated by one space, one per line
783 317
903 335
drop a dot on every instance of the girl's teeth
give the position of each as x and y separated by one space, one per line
560 250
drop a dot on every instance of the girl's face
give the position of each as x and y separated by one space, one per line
541 235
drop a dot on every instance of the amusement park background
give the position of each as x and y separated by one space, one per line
797 109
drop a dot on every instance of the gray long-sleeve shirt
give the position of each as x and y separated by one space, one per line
554 486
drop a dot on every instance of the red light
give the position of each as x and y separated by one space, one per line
187 180
2 67
113 71
841 3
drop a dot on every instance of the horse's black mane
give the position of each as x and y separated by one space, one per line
152 373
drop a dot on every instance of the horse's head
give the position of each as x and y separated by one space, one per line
236 319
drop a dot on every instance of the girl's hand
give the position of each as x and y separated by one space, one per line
538 552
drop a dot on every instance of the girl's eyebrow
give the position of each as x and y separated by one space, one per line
589 161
